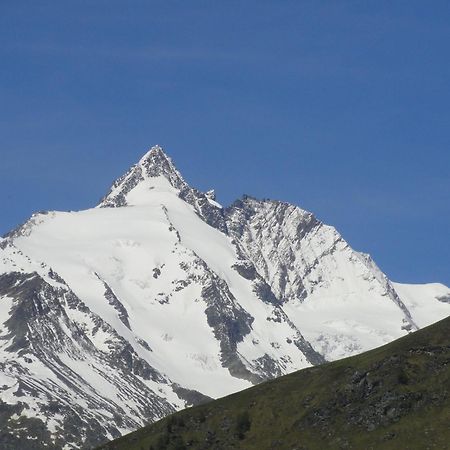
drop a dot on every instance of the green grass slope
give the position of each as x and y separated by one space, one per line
394 397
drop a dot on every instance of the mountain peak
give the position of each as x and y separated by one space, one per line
153 164
155 152
157 163
155 170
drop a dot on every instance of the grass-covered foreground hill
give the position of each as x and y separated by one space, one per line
394 397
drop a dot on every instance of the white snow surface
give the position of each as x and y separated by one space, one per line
122 246
428 303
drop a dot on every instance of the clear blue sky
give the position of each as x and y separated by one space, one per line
340 107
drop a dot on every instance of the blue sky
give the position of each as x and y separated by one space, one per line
340 107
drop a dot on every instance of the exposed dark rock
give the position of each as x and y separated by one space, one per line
230 324
444 298
115 303
192 397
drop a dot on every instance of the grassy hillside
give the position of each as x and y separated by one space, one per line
394 397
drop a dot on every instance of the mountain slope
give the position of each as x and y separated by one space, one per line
397 396
160 293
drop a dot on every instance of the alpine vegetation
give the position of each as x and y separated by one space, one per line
390 398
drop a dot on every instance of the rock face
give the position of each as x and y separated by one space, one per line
159 298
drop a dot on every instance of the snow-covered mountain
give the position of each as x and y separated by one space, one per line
159 298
